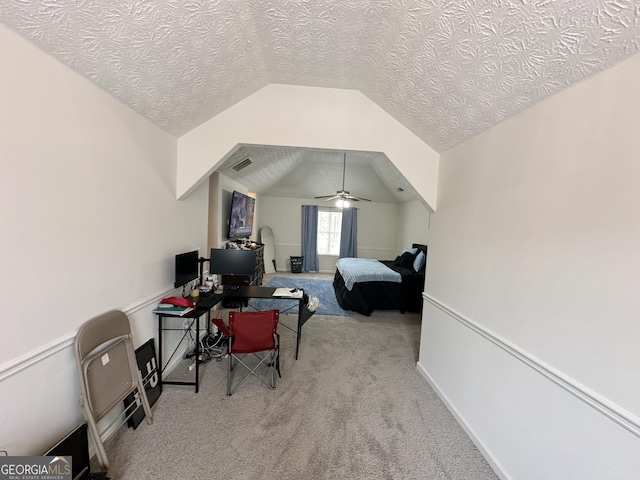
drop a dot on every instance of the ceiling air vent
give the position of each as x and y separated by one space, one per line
242 164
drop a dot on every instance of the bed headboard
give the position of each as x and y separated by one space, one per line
420 247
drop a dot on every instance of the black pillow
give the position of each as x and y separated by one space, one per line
405 260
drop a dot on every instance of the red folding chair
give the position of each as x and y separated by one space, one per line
252 334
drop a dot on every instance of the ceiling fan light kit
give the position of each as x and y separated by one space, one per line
342 196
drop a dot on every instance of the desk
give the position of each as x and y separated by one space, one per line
204 304
203 307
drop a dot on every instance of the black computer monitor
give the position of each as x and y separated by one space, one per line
186 268
227 261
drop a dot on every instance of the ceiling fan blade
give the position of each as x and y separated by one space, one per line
356 199
328 198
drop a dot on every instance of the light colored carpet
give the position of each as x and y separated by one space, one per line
353 406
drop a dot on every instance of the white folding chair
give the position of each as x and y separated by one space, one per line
108 373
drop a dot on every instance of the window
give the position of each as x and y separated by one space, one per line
329 225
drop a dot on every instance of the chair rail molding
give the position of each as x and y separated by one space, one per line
607 408
27 360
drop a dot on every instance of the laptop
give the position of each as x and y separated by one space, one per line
76 445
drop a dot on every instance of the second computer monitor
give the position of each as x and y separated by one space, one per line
226 261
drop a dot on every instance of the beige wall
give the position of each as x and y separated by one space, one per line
90 223
533 284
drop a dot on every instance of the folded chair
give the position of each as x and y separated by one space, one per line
252 334
108 373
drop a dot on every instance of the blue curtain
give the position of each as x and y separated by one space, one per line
349 233
310 262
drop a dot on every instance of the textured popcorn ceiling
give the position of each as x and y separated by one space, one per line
306 173
446 70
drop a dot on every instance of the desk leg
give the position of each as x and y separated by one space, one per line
160 365
197 353
299 333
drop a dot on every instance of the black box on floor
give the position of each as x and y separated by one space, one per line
296 264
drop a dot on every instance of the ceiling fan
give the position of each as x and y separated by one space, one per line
343 197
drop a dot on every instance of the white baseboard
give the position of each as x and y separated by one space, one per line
285 270
486 453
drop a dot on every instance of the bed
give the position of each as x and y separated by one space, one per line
364 285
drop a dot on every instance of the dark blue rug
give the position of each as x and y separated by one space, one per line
323 289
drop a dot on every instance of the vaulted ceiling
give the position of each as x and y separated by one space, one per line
308 172
445 69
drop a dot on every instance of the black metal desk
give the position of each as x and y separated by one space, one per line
204 304
203 307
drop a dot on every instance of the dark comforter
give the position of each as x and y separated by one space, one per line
365 297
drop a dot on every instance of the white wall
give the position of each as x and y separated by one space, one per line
309 117
89 223
414 224
532 287
377 229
